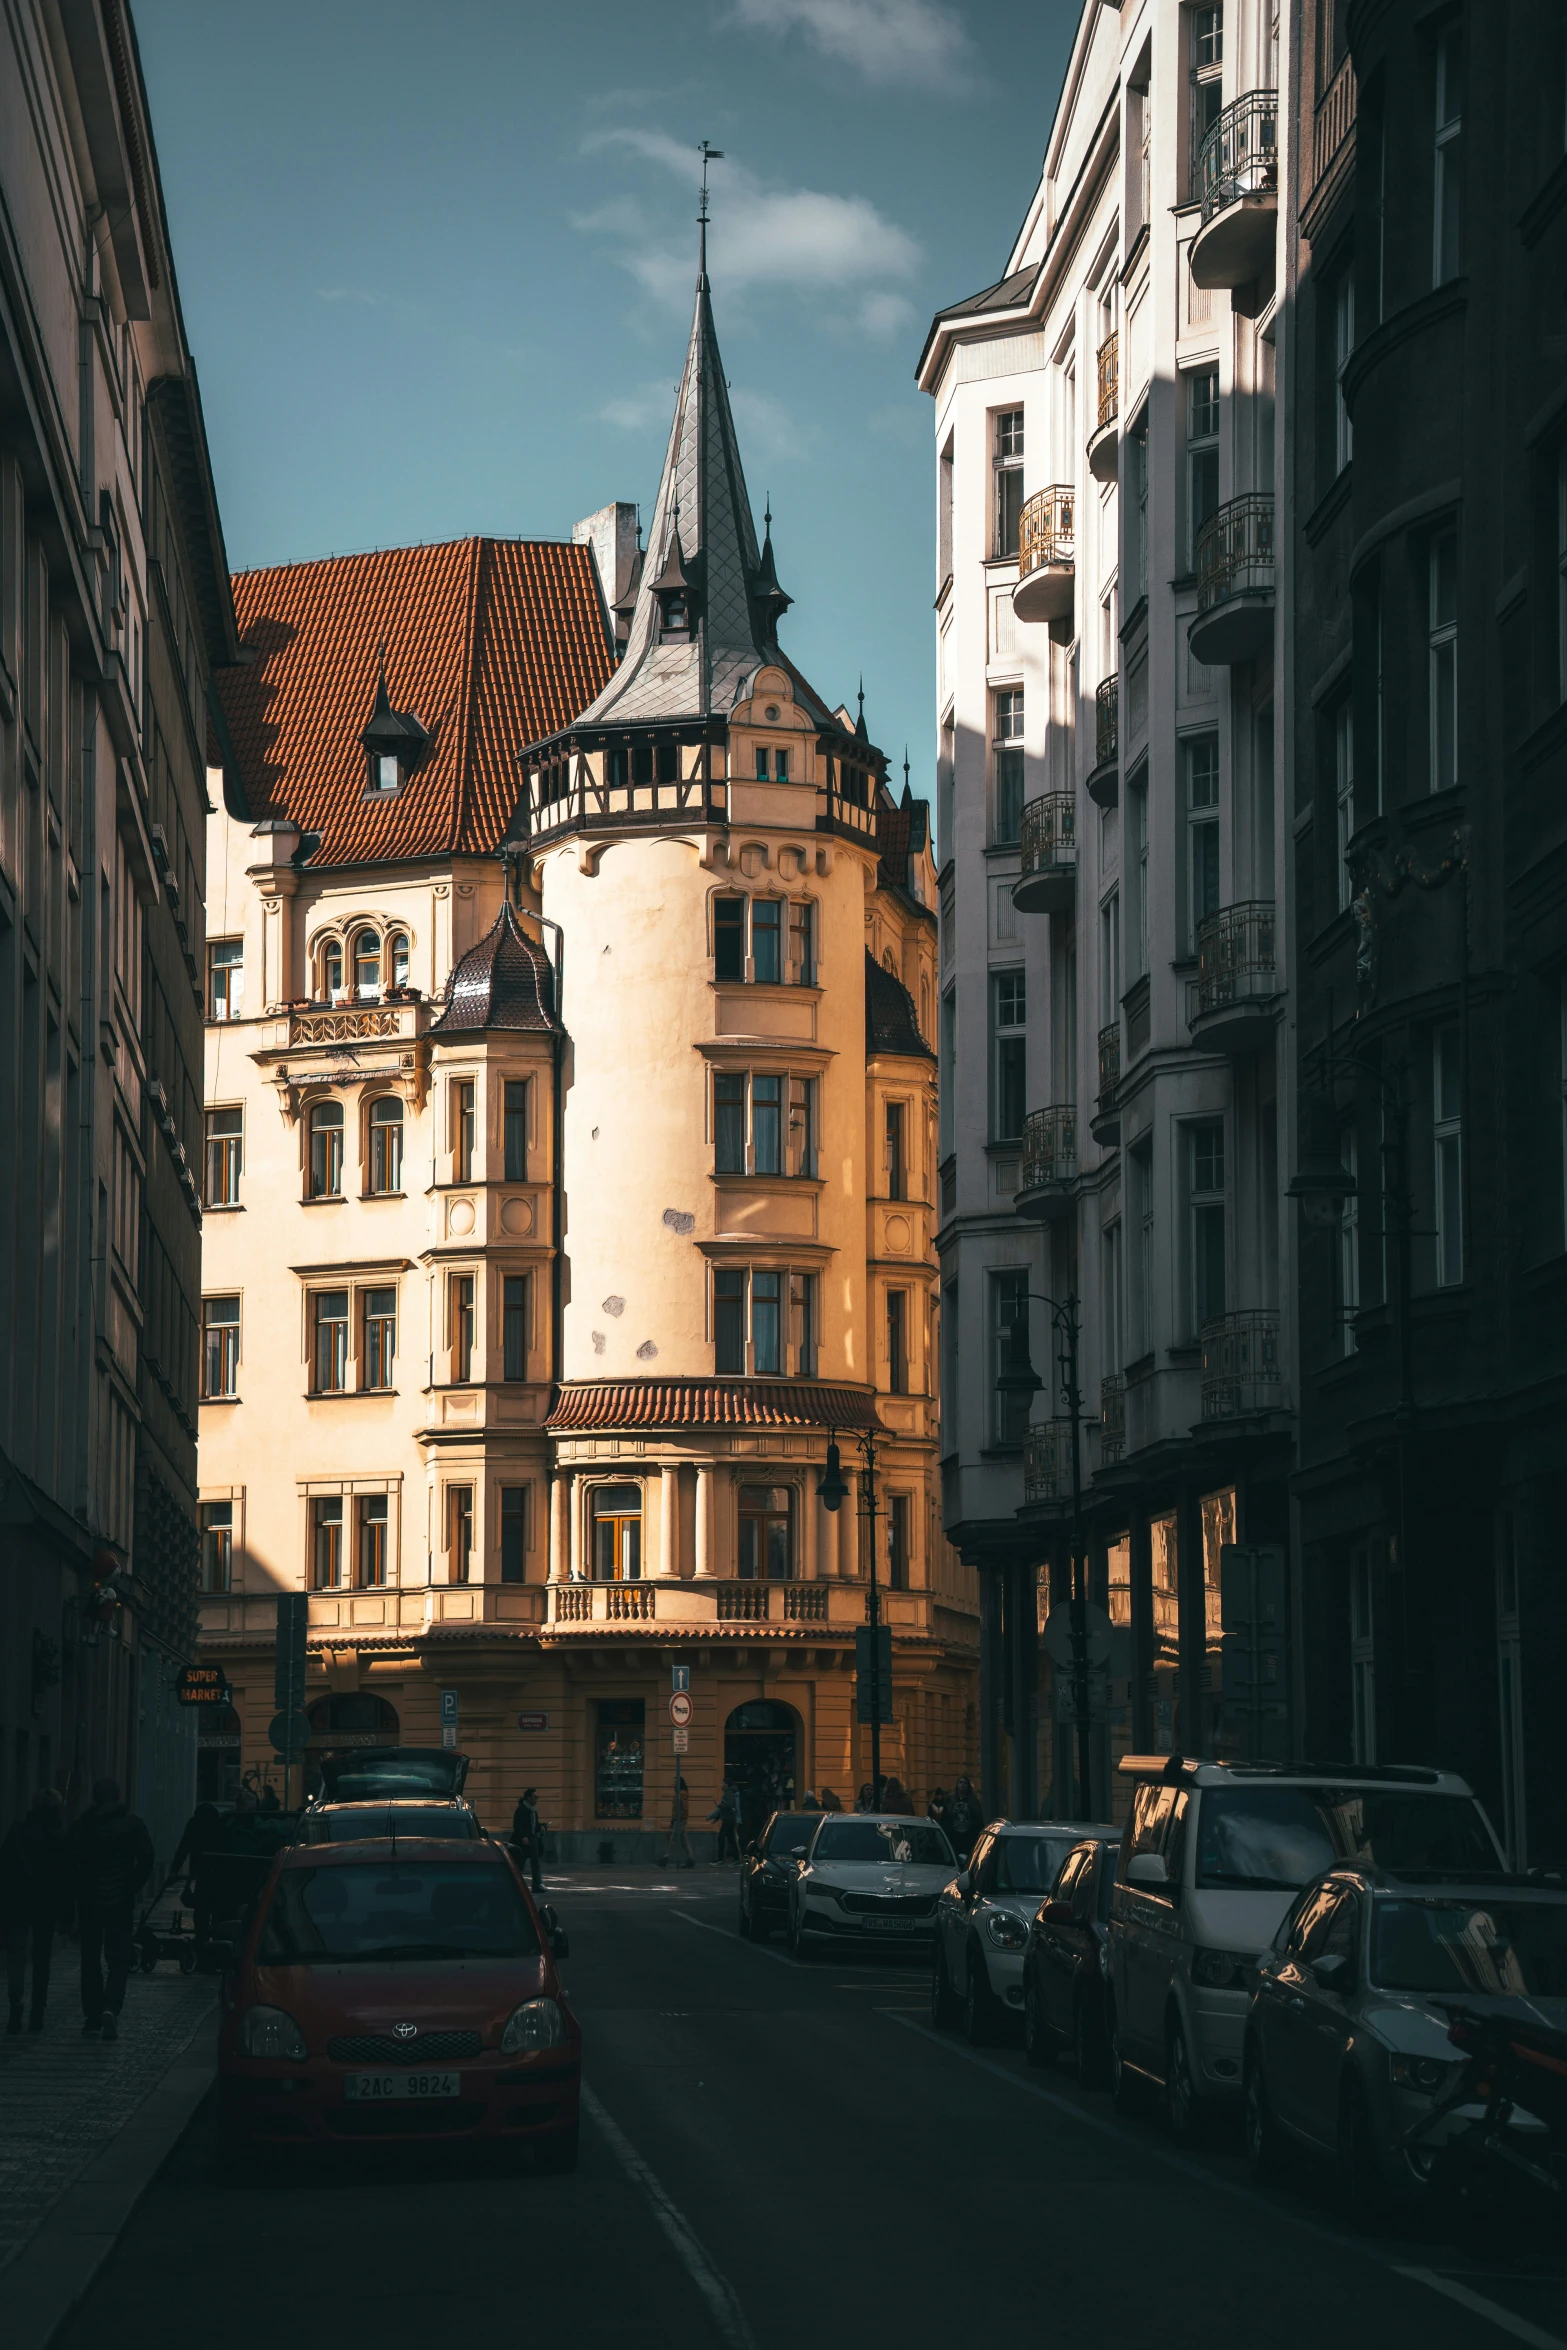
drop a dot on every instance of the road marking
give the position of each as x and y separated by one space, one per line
1519 2327
710 2281
778 1957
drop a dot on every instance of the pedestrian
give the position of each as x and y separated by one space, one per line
203 1836
895 1801
727 1813
963 1821
527 1836
830 1801
111 1859
269 1806
678 1842
34 1896
936 1809
808 1801
866 1799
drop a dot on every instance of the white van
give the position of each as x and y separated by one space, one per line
1211 1858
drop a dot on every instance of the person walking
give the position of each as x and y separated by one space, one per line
936 1809
110 1860
203 1836
678 1843
34 1894
527 1836
866 1799
830 1801
895 1801
963 1821
727 1813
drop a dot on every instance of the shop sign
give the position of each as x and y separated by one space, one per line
202 1685
533 1721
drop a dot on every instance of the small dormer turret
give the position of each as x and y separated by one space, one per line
394 741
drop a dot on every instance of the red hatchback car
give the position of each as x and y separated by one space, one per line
399 1988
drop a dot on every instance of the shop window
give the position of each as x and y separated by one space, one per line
217 1545
617 1533
374 1527
380 1338
514 1533
618 1758
766 1534
386 1146
326 1151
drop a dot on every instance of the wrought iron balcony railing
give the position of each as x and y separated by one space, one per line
1112 1418
1048 836
1107 722
1050 1146
1235 551
1047 1461
1109 366
1240 155
1236 955
1046 529
1241 1372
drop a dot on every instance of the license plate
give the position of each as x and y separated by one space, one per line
876 1925
368 2087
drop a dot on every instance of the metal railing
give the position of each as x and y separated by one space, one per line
1235 551
1236 955
1047 1461
1049 1146
1240 155
1241 1373
1335 119
1109 365
1112 1418
1107 717
1109 1062
1046 529
1047 836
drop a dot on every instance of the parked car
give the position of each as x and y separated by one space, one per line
398 1989
403 1816
1347 2050
1210 1860
983 1920
768 1868
372 1774
1065 1964
869 1877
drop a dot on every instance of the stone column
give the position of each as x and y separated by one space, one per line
806 1565
827 1530
704 1522
558 1527
573 1528
668 1520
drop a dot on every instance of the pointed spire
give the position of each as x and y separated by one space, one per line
908 796
859 723
771 602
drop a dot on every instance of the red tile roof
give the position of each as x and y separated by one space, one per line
711 1403
492 642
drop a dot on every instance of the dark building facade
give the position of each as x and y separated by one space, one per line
1428 566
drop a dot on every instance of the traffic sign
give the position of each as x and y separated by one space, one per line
1057 1634
288 1733
680 1676
682 1741
449 1705
680 1709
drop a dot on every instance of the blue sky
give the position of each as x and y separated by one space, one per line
437 266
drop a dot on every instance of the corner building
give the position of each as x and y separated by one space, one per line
543 1387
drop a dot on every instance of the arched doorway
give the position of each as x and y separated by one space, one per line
353 1717
762 1756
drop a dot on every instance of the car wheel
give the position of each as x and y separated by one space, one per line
1039 2041
1184 2108
979 2004
799 1943
1264 2147
1088 2048
943 1999
554 2161
1126 2086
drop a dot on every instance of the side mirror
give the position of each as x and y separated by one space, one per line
963 1885
560 1943
1056 1913
1335 1972
1147 1871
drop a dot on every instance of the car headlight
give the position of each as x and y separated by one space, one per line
1222 1970
1006 1931
270 2031
1425 2074
537 2023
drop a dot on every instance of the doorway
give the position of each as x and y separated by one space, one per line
762 1756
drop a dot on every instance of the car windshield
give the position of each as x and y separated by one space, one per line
1029 1864
789 1837
1494 1947
360 1821
375 1776
1275 1839
898 1841
384 1910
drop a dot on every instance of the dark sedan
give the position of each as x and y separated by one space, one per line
1063 1966
769 1868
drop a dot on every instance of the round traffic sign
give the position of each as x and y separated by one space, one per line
1057 1634
680 1709
289 1734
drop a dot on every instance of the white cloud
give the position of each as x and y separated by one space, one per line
766 427
884 315
353 294
646 404
888 41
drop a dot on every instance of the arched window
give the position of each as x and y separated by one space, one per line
332 971
367 966
386 1145
326 1150
397 957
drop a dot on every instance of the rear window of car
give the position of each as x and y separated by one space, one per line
390 1911
1271 1839
360 1821
902 1842
790 1835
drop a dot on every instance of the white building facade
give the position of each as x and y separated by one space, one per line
1113 1022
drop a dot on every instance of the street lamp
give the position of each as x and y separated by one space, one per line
1018 1377
832 1492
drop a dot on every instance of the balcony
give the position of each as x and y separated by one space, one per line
1238 187
1104 781
1047 556
357 1023
1112 1419
1235 581
1105 1124
1049 1162
1104 441
693 1606
1047 879
1241 1374
1234 998
1047 1461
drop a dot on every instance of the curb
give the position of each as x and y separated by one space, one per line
48 2278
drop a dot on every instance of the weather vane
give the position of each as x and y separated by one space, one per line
709 155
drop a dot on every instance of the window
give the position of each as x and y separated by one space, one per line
1008 1301
729 1089
1110 958
385 771
1110 1299
329 1341
1447 188
1447 1140
217 1544
900 1519
460 1310
802 1309
1007 761
326 1541
1202 455
1009 1074
225 978
367 966
767 1323
1207 72
1344 795
1140 1331
946 1092
898 1341
386 1147
380 1339
729 1322
1348 1251
1008 427
1343 346
897 1164
1443 609
766 1534
219 1347
617 1769
1137 875
459 1533
1137 552
514 1113
514 1320
767 1125
225 1157
331 968
802 942
1202 833
464 1128
782 1123
766 941
397 957
374 1523
729 938
514 1533
1205 1191
326 1151
617 1533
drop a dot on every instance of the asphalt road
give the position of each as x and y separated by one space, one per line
776 2155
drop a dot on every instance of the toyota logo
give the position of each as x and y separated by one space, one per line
405 2031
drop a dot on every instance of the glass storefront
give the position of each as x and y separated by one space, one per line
618 1758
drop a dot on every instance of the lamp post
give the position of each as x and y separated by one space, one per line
1018 1377
832 1491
